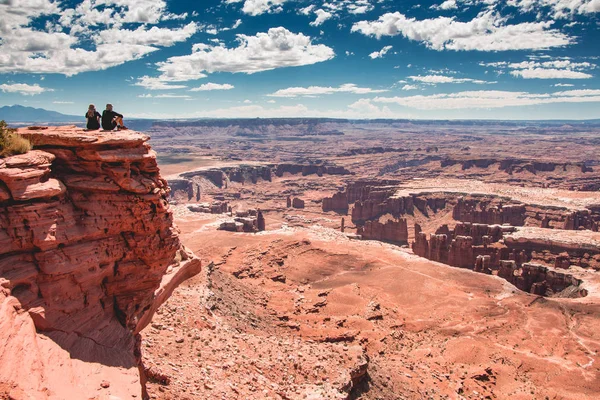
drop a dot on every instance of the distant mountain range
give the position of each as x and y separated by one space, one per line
17 113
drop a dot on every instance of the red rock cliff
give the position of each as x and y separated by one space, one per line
88 249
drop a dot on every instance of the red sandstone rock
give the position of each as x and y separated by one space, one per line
297 203
392 231
91 259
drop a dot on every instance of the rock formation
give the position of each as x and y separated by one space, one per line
249 221
260 221
338 202
185 189
88 247
491 249
391 231
217 207
297 203
309 169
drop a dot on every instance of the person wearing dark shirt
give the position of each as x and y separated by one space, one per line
112 119
93 118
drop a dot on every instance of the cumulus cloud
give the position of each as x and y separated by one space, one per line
560 8
212 86
258 7
322 16
380 53
312 91
24 88
409 87
446 5
358 6
484 99
276 48
62 45
143 36
486 32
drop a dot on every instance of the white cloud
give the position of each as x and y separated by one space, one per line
560 8
63 102
307 10
486 32
553 69
409 87
257 7
321 90
380 53
435 79
322 16
550 73
58 46
446 5
24 89
236 24
579 93
359 6
485 99
159 83
212 86
276 48
564 85
142 36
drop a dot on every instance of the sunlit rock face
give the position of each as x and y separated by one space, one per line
88 249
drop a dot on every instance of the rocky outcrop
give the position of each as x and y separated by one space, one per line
184 189
338 202
391 231
490 249
558 253
373 199
261 224
540 280
297 203
250 221
512 165
309 169
371 150
217 207
240 174
88 246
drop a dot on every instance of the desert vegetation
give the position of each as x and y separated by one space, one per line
12 143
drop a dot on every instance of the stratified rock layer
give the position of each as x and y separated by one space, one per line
87 242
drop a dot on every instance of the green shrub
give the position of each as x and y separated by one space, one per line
12 143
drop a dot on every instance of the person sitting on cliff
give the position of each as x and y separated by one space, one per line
93 118
112 119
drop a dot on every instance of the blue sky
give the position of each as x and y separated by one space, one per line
516 59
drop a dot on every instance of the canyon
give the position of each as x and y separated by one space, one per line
302 259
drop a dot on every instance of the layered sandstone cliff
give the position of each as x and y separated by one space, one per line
88 251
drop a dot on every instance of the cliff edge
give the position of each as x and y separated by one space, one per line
88 251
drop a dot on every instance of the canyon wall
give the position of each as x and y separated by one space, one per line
391 231
88 249
490 249
373 199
